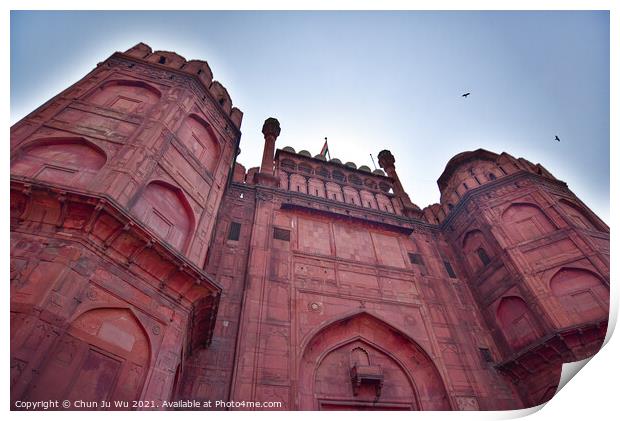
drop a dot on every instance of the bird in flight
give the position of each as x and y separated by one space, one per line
557 138
466 95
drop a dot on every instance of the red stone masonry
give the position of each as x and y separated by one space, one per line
115 184
147 264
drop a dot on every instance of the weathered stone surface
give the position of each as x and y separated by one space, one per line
145 265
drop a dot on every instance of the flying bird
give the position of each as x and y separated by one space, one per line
557 138
466 95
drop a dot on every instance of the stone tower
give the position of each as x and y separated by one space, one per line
147 264
115 186
537 263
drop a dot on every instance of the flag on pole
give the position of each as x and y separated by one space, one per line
325 149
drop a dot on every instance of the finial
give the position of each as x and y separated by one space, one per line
271 127
386 159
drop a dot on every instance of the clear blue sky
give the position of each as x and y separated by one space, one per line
369 81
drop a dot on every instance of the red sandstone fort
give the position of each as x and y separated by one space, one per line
147 264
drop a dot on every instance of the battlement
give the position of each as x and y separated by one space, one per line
472 169
320 166
315 176
336 181
198 68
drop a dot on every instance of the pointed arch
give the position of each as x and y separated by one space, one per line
164 208
127 96
516 321
582 294
316 187
578 216
197 135
476 250
384 203
525 221
410 376
104 355
70 161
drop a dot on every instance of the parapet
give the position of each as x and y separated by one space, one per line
239 173
469 170
199 68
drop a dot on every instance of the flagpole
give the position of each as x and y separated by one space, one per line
328 154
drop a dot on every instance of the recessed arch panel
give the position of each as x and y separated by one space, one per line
68 161
127 96
525 221
104 355
582 294
577 215
165 209
198 136
516 321
368 199
473 242
384 203
316 187
334 191
351 195
410 379
298 183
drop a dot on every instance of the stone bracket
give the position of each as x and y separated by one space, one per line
367 374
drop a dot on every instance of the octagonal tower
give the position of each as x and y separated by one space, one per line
115 185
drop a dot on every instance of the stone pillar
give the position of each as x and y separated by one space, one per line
386 161
271 131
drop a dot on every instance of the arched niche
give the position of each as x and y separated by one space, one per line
165 209
577 216
104 355
405 377
581 293
288 164
525 221
476 250
516 321
127 96
368 199
334 191
200 139
384 203
305 168
67 160
316 187
351 196
298 184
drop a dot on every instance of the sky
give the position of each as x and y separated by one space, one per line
369 81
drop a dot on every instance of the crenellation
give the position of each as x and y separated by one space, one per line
166 58
236 115
140 50
200 68
221 96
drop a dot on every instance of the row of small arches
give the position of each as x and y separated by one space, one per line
334 191
349 164
336 175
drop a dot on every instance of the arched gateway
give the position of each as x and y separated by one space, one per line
362 363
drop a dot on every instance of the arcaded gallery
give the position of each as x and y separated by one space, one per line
147 264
